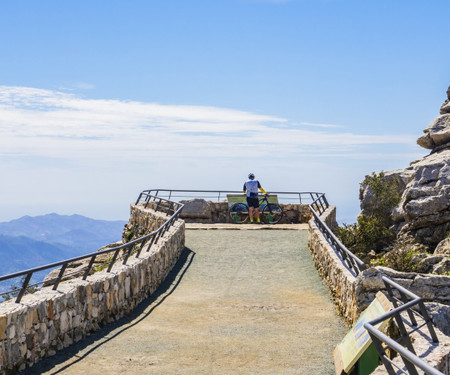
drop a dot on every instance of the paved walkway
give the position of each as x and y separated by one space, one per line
238 302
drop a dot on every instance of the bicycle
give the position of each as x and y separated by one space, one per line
271 213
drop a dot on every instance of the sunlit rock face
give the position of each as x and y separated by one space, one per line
424 210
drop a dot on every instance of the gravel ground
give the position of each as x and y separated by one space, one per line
238 302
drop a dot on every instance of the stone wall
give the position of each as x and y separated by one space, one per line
208 212
48 320
352 294
341 282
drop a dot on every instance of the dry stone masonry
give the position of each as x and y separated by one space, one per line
208 212
48 320
352 294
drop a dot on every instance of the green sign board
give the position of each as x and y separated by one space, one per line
357 340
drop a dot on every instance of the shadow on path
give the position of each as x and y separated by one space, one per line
112 330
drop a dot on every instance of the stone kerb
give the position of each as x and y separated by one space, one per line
48 320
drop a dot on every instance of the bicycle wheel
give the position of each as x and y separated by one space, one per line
272 213
239 213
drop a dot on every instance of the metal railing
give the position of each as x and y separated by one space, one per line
172 209
405 303
318 206
176 195
408 302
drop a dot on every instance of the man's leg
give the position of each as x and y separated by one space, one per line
256 214
250 213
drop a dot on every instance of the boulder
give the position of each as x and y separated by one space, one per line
440 314
196 209
443 248
437 134
445 108
424 210
443 267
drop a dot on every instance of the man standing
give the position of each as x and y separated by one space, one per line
251 189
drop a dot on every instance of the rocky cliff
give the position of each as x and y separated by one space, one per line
424 209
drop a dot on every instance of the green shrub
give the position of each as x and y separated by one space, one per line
385 197
129 235
369 233
372 229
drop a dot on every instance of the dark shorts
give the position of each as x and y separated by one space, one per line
253 202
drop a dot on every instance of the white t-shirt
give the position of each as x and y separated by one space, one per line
251 187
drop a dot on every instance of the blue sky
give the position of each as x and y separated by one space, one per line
102 99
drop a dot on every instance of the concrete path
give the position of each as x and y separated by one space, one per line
238 302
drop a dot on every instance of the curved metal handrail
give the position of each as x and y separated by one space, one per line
407 301
221 194
128 249
318 207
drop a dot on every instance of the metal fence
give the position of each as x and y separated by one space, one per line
318 206
407 302
118 253
218 195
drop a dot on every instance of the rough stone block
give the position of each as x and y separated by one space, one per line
3 324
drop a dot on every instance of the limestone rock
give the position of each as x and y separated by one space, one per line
440 314
425 205
196 208
443 247
445 108
437 134
443 267
424 209
366 196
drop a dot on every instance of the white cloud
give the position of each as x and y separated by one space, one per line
55 144
316 125
51 124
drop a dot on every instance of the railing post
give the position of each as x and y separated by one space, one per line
404 333
410 367
139 198
157 206
128 253
147 200
427 319
152 242
24 286
60 275
113 260
140 248
91 263
410 314
325 200
382 354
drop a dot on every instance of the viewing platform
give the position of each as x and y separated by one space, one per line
237 302
220 297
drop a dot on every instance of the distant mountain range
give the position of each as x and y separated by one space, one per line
29 242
